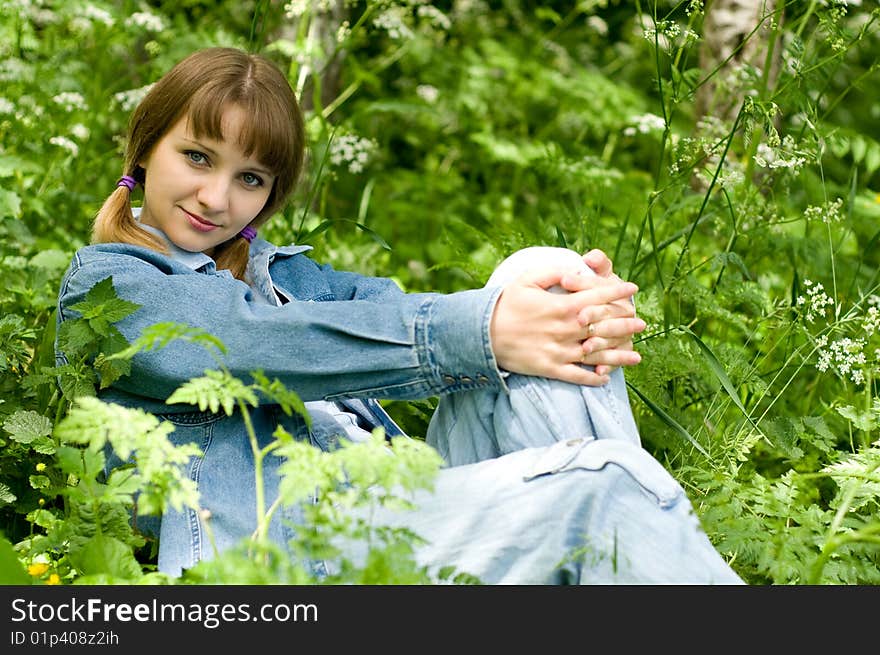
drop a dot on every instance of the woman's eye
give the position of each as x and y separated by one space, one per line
252 180
196 157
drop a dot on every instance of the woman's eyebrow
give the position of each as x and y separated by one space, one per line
256 167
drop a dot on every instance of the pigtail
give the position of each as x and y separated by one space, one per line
233 255
115 223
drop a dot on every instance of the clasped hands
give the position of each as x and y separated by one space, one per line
553 335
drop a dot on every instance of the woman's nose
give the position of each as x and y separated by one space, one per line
213 193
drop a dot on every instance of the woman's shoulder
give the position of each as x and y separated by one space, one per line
103 259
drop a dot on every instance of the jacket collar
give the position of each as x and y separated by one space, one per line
262 252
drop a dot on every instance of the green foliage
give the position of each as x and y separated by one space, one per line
741 197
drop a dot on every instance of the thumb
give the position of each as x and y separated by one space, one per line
542 277
598 261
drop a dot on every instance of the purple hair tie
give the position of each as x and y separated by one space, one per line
248 233
127 181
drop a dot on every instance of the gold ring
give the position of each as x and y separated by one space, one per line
591 329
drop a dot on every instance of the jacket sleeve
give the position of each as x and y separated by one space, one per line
381 343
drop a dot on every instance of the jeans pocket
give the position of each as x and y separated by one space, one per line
599 454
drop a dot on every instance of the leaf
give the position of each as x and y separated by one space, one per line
666 418
373 235
216 389
160 335
6 495
11 570
721 374
107 555
10 204
43 445
325 225
865 421
102 306
51 259
27 425
39 481
872 158
365 200
92 422
11 165
75 337
289 401
858 146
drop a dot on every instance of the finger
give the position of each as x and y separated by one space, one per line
612 357
600 314
543 277
584 279
601 295
603 369
598 261
614 328
596 344
579 374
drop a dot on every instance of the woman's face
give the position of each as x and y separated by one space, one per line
202 192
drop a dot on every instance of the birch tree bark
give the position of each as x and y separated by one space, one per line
736 42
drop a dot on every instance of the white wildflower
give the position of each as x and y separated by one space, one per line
44 16
296 8
435 16
828 213
130 99
22 8
97 15
644 123
598 25
846 356
150 22
70 100
393 21
6 107
783 156
816 300
80 131
730 178
67 144
351 151
871 321
15 69
427 93
694 7
29 112
464 7
343 32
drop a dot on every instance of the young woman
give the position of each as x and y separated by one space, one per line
543 455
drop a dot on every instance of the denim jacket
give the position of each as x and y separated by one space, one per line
338 335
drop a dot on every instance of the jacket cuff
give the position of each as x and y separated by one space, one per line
452 336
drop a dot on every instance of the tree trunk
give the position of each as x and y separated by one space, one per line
736 35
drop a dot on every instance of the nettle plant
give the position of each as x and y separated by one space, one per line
82 530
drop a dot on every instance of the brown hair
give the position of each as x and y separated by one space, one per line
201 87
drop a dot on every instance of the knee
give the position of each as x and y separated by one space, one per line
535 258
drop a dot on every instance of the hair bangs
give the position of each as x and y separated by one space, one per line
266 136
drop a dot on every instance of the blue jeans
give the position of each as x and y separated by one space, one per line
548 484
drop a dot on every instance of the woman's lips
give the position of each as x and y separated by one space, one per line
199 223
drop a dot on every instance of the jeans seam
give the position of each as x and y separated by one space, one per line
193 515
